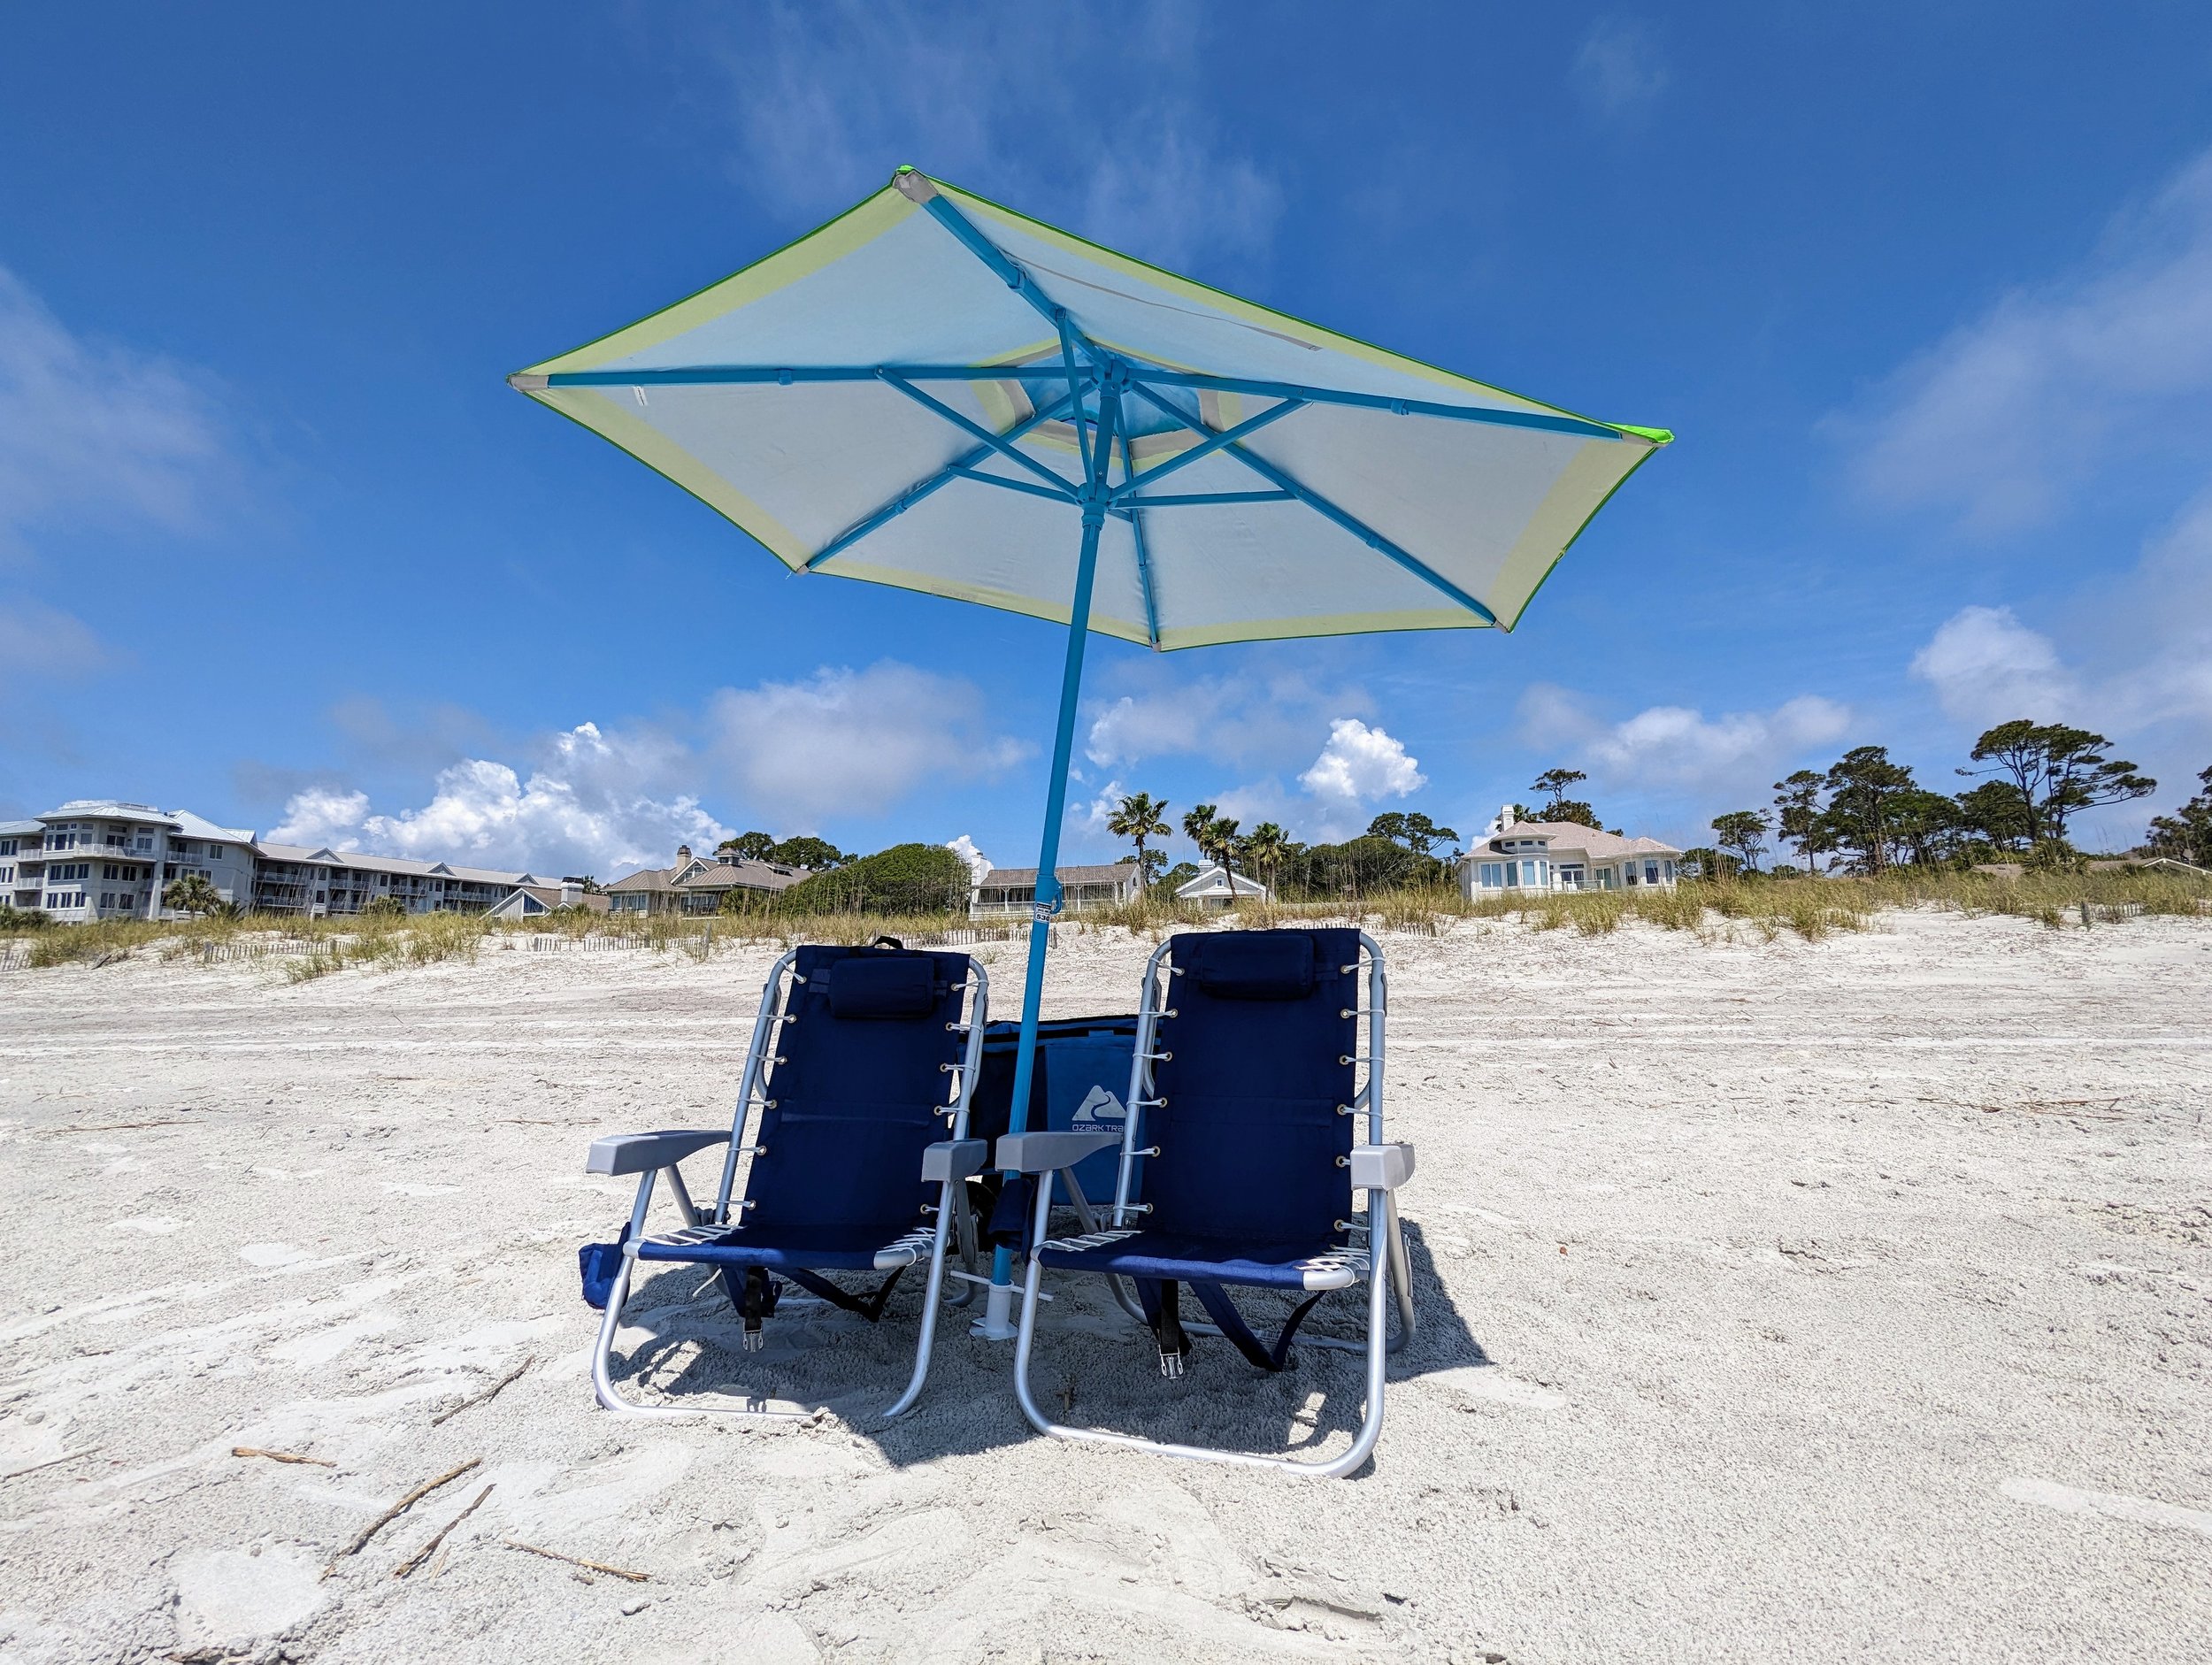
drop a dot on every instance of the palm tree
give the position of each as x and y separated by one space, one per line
1215 836
1265 850
193 895
1137 818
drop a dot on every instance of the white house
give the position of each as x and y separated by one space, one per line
1516 857
1013 890
1210 889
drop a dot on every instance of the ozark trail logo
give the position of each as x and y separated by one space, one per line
1100 1112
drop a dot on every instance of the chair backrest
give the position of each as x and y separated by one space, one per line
1259 1049
861 1089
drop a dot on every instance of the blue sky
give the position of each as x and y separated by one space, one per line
1926 290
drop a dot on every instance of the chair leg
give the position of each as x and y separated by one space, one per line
1363 1445
931 1296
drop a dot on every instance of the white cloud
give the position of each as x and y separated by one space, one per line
1676 747
1618 69
95 431
595 802
2000 422
1359 767
844 740
829 96
979 864
1095 814
1986 667
321 816
1242 720
36 639
841 743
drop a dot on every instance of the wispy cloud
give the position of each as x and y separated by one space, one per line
96 432
785 756
2136 662
1618 70
1677 749
36 639
1987 667
829 98
844 740
1244 721
2000 425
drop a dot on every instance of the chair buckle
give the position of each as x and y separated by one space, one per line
1170 1365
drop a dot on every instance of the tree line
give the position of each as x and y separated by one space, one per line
1867 813
1400 848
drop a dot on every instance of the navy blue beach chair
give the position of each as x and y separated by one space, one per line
1245 1127
856 1086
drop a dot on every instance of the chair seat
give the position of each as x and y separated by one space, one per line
809 1247
1315 1264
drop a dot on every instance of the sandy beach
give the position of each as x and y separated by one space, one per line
1836 1300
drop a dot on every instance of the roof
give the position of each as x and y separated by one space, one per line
13 829
1572 835
1025 878
740 875
1210 880
408 866
181 821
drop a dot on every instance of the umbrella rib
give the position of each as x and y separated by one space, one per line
996 442
1328 510
922 489
1022 485
1537 419
1207 448
1144 552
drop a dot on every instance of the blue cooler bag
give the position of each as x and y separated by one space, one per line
1081 1077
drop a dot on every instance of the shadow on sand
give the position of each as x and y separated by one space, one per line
1094 1366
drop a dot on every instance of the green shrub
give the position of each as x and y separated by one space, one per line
907 878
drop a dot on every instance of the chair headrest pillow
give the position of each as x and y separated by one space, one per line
1256 965
883 986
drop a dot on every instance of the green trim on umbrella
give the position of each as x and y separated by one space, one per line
1351 345
863 223
1579 530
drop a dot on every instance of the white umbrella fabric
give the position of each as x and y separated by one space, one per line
935 392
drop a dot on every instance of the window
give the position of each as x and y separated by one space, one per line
1628 874
1651 872
1670 867
1513 873
1571 875
7 846
1493 874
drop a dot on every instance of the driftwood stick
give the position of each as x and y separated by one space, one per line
396 1510
281 1456
438 1538
578 1560
486 1396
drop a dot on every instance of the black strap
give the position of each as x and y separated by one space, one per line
869 1307
1161 1301
1231 1323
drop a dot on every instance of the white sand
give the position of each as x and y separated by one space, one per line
1866 1341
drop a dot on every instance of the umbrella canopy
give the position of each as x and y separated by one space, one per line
895 398
937 393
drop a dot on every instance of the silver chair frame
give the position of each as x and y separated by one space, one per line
1391 1269
699 1223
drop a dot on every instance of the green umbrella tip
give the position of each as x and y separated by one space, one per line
1658 436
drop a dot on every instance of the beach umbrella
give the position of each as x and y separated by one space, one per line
935 392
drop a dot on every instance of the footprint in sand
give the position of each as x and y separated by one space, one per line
228 1598
152 1225
270 1254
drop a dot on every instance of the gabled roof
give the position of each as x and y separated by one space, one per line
740 875
1025 878
1210 880
1566 837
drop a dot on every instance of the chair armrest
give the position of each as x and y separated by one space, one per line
635 1153
1381 1166
1046 1153
953 1160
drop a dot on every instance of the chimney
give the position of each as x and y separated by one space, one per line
1505 818
683 853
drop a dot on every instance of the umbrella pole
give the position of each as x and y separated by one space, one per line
996 1324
